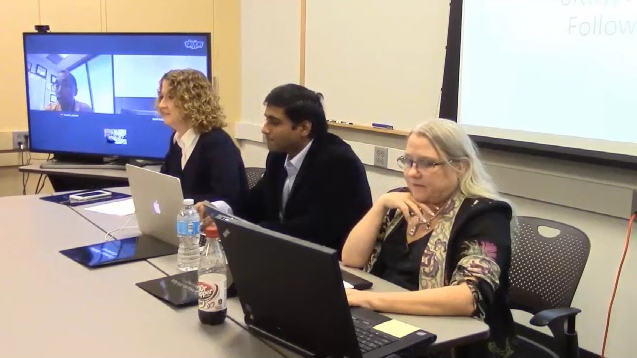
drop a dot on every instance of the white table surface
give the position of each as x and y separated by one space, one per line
54 307
450 331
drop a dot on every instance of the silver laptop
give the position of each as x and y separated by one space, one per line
158 199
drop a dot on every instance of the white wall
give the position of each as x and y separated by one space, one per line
270 50
595 199
382 77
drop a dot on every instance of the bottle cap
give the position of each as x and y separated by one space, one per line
211 232
189 202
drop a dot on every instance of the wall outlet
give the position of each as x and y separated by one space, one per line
380 157
20 137
634 209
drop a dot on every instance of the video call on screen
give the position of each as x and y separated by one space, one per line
95 93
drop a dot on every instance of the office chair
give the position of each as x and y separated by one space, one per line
254 174
545 272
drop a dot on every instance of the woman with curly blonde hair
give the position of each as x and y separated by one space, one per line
201 154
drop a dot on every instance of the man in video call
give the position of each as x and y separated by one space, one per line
65 92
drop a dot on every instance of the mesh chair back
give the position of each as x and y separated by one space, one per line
254 174
545 271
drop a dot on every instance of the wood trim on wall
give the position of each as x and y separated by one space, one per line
226 58
302 43
394 132
103 21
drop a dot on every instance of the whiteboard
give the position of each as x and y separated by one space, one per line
270 51
377 60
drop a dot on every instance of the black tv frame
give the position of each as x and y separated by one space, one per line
449 110
79 157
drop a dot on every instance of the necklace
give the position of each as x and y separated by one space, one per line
427 222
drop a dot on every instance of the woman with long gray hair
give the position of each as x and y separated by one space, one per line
446 238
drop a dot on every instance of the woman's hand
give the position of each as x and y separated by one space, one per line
404 202
206 220
359 298
200 210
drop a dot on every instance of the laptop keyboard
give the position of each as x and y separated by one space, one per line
369 338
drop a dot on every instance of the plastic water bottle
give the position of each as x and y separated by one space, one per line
212 283
188 255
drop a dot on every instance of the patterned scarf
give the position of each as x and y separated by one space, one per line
432 265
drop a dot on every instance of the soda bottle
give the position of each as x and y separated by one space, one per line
212 281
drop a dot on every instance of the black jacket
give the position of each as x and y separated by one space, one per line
329 196
214 170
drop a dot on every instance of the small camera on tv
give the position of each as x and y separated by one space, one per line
42 28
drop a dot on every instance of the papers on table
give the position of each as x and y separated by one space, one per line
347 285
121 208
396 328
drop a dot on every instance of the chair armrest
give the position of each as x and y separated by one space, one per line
546 317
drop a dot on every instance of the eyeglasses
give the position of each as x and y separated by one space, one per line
405 162
59 85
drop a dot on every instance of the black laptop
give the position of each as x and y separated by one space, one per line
292 293
349 280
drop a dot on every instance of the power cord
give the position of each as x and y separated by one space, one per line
40 185
619 271
109 233
39 189
24 147
42 179
116 230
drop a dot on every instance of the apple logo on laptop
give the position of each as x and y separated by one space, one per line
156 207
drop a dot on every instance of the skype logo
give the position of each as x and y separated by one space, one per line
193 44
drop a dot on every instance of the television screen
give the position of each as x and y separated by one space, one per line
94 94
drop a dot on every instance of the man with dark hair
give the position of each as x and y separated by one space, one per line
65 92
314 186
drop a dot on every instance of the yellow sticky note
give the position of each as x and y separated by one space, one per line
395 328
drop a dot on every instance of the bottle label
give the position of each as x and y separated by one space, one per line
211 291
185 228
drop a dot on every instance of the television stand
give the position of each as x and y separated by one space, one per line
94 163
65 165
79 172
136 162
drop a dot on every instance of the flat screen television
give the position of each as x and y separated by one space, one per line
92 95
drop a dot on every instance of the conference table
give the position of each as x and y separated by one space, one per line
54 307
70 310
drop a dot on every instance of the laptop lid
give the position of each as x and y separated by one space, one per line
158 199
292 292
349 280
